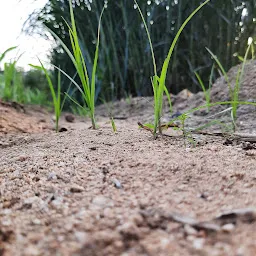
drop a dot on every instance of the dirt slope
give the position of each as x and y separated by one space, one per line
95 192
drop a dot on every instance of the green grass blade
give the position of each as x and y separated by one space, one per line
168 98
206 92
224 73
63 45
212 105
65 97
42 68
70 78
201 83
179 32
239 81
58 94
166 64
149 38
2 56
211 78
56 98
72 99
113 125
81 67
96 56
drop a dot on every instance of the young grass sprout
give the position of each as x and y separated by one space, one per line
2 55
233 92
56 97
207 91
158 83
13 88
88 84
113 124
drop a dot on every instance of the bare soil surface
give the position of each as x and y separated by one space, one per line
96 192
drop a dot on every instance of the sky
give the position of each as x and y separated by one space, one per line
13 13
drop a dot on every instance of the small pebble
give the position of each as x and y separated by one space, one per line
70 118
198 243
190 230
76 189
117 183
52 176
228 227
102 201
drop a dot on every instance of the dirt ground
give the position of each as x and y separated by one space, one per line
96 192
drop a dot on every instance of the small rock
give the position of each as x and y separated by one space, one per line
63 129
36 222
57 202
102 201
32 250
52 176
248 185
228 227
16 173
76 189
190 230
250 153
198 243
137 219
117 183
70 118
6 222
22 158
129 231
81 236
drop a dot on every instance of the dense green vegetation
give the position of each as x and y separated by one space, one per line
20 86
125 65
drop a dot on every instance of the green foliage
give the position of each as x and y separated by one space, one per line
36 96
88 85
158 83
113 124
187 135
233 92
207 91
56 96
2 56
35 79
125 49
14 86
79 110
212 105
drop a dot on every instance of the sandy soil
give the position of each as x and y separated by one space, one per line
96 192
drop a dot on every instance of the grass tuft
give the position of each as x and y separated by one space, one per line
88 84
233 93
56 96
158 83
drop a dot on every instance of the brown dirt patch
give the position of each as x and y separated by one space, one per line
95 192
16 118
